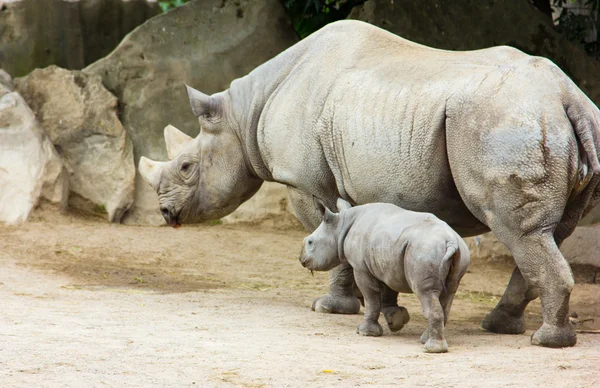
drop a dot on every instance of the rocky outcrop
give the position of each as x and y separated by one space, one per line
581 249
205 44
270 201
30 168
80 117
67 33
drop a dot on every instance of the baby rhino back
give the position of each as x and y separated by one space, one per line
435 257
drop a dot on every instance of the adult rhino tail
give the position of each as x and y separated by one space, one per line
585 119
447 262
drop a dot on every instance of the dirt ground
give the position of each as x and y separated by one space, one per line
89 304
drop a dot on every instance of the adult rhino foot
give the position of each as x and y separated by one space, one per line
396 317
424 337
436 346
501 322
371 329
336 304
552 336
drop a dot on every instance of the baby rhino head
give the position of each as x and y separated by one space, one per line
320 249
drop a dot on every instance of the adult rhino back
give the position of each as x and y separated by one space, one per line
484 139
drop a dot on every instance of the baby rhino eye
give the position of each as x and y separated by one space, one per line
309 242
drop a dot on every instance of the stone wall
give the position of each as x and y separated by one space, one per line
67 33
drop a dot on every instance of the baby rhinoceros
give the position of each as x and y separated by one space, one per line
388 246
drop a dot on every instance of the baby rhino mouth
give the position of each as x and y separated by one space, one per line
171 218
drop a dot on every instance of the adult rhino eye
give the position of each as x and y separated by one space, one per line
185 166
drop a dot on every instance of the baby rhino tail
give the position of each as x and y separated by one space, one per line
447 263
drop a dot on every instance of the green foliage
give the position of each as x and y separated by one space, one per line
310 15
577 27
170 4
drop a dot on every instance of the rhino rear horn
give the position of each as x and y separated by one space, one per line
151 171
175 140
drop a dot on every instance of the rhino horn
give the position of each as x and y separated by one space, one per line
176 141
151 171
202 105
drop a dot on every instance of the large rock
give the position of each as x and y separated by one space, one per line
470 25
581 249
67 33
205 44
30 168
80 117
270 201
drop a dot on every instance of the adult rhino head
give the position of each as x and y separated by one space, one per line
207 177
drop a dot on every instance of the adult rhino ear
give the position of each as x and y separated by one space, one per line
151 171
343 204
175 140
203 106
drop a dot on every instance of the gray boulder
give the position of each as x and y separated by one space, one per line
30 167
80 117
581 249
205 44
67 33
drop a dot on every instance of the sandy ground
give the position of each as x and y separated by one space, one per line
88 304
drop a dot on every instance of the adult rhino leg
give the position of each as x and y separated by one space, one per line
519 183
341 298
507 317
544 268
395 316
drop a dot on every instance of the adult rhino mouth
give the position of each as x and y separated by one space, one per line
172 219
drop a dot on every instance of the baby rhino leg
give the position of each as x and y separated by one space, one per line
433 337
371 289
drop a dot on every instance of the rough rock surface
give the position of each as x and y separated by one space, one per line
581 249
80 117
30 167
471 25
205 44
67 33
271 200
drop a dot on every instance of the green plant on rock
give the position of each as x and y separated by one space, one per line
310 15
576 27
170 4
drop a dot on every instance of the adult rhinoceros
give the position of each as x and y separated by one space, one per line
490 139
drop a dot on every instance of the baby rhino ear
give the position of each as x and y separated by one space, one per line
329 217
326 214
343 204
319 205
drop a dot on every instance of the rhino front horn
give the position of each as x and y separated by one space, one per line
151 171
175 140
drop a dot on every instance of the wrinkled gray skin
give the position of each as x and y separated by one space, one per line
486 139
389 247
